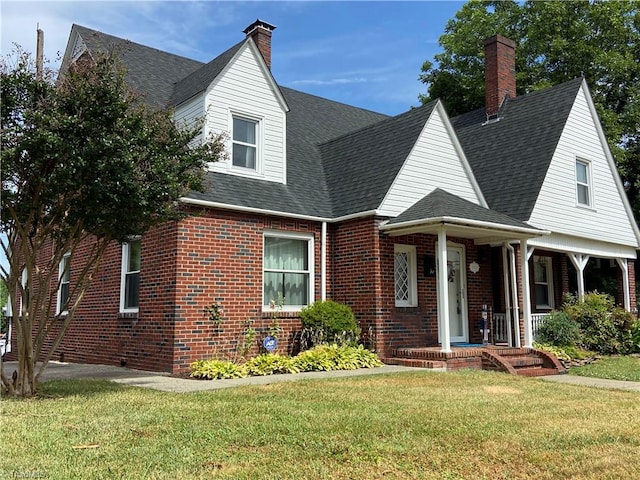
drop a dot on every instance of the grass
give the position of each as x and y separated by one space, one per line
423 425
615 368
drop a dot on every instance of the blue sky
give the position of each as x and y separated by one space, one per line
367 54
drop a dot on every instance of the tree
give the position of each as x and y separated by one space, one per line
76 154
557 41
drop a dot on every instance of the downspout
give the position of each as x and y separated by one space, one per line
514 296
323 262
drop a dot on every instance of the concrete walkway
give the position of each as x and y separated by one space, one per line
166 383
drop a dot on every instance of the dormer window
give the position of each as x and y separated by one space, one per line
245 144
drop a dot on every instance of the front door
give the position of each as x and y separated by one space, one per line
457 294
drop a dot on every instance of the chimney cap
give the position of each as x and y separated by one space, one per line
500 39
259 24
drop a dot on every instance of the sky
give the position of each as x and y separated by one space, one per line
362 53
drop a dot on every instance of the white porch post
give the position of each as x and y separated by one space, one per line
625 282
526 294
514 297
443 292
580 262
507 298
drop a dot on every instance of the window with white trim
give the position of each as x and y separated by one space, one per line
543 280
130 281
245 143
287 269
583 182
64 279
405 275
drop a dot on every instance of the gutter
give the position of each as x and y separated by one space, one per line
465 223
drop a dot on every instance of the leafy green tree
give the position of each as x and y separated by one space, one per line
77 153
556 41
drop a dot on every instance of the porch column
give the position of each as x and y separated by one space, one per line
580 262
443 292
525 254
624 266
507 298
514 296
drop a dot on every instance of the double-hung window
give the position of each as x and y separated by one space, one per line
288 269
583 188
543 279
64 279
245 143
405 275
130 282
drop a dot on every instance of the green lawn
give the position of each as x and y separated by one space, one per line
423 425
615 368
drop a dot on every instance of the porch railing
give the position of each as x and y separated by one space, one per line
500 328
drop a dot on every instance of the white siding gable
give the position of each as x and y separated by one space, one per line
187 113
435 161
608 218
246 89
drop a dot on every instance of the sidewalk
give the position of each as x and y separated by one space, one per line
164 382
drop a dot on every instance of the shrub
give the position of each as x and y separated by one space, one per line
335 357
269 364
559 330
216 369
606 329
329 321
635 337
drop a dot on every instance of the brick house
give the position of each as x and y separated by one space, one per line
419 222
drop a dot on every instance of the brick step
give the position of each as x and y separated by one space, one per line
510 352
524 361
537 372
414 362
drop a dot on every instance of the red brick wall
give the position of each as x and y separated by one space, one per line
220 260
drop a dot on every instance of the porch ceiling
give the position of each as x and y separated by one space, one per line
481 233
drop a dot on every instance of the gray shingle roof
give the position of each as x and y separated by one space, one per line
201 78
311 121
361 166
150 71
510 158
441 203
343 159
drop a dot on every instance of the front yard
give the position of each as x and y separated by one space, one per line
422 425
615 368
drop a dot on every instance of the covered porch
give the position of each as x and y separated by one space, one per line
449 218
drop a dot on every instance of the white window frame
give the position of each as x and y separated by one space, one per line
310 271
126 250
64 268
257 121
588 185
548 261
412 272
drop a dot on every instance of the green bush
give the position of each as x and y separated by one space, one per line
216 369
320 358
635 337
329 321
564 352
269 364
606 329
558 329
336 357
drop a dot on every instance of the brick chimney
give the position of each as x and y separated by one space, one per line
499 72
261 33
